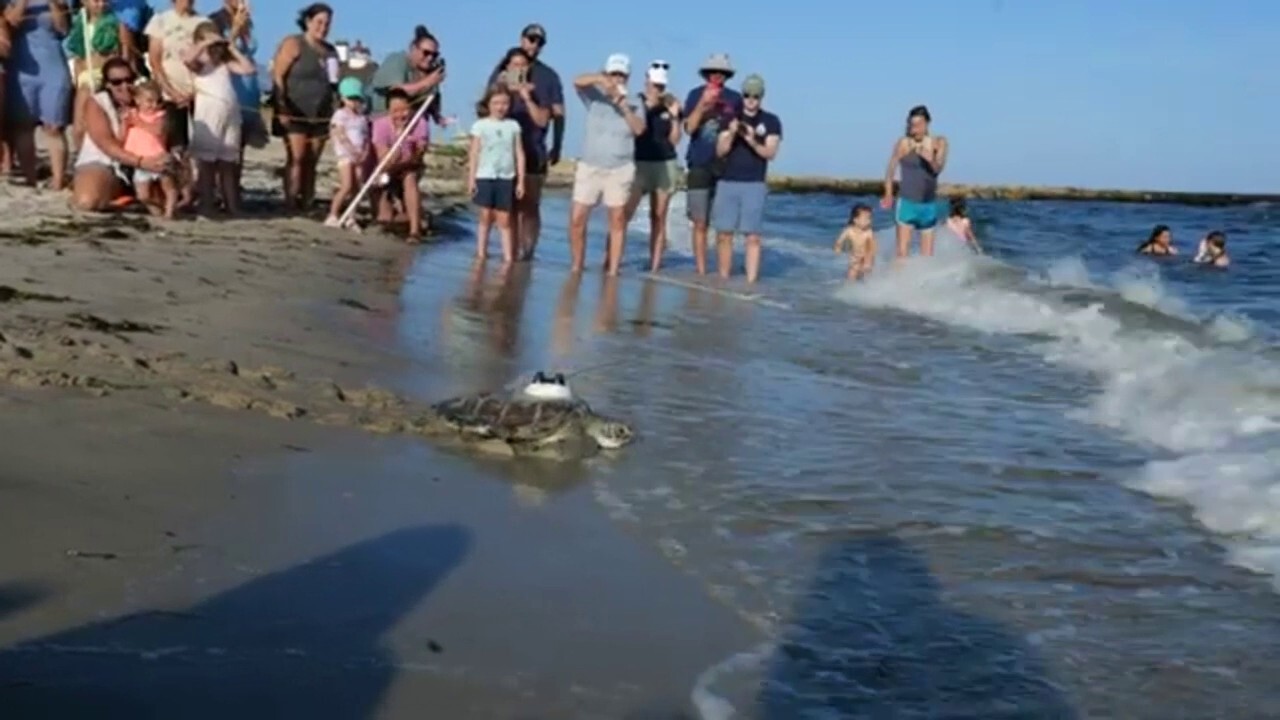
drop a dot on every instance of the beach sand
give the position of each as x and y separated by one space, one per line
210 507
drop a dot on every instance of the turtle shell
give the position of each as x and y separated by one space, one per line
510 419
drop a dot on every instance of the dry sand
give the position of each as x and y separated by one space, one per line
193 522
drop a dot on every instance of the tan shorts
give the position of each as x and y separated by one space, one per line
657 176
593 184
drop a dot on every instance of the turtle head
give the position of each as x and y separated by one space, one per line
609 434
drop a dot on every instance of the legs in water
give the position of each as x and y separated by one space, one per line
527 223
617 238
578 235
484 222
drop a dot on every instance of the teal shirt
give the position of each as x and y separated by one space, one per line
498 140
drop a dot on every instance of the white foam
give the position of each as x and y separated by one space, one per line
1215 408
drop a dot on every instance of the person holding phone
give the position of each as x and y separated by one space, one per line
707 110
532 109
657 171
921 158
747 143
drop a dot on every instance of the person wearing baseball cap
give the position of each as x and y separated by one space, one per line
747 144
607 167
657 171
707 110
549 91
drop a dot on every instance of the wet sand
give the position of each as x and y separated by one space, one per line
211 506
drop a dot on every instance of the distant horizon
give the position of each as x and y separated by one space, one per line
1140 96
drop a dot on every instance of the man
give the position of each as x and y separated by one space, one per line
656 168
418 72
549 91
747 144
707 110
607 166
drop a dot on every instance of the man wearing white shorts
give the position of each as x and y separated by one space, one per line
607 166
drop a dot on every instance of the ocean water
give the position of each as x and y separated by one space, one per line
1040 483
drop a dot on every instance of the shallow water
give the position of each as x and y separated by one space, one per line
1040 483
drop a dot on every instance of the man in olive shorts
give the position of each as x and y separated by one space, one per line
708 109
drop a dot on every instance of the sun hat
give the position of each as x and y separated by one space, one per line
717 62
618 63
351 87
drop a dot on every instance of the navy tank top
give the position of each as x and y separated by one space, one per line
919 182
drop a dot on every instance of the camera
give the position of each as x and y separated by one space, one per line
437 63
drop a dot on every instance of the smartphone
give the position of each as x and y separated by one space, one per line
515 77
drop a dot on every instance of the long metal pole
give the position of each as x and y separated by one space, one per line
382 164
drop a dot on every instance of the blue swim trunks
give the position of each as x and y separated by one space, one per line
919 215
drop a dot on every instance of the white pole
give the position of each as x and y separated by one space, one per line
395 149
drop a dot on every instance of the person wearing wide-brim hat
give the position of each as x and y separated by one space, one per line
707 110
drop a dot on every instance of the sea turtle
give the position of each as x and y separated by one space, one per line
534 421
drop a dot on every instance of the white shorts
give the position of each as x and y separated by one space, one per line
215 138
593 184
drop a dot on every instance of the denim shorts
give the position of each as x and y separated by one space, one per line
495 194
738 207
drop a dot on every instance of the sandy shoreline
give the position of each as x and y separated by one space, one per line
191 505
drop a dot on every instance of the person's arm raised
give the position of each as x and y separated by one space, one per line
239 63
540 115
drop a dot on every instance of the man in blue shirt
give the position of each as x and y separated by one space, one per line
747 144
707 109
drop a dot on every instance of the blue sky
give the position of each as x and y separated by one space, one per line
1153 94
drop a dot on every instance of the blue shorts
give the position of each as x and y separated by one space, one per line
738 207
495 194
919 215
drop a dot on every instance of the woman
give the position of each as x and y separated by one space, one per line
94 38
531 110
6 40
655 152
170 35
39 91
101 162
1160 242
922 158
403 170
304 72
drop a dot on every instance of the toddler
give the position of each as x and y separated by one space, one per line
958 223
495 172
1213 250
143 135
349 130
860 238
216 118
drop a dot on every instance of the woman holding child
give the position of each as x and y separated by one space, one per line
99 173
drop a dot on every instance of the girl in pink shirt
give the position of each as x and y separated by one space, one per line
143 130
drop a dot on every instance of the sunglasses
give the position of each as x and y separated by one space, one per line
536 39
660 65
118 81
752 96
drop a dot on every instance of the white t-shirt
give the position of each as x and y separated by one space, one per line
176 34
356 127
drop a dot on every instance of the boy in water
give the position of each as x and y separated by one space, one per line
857 234
1213 250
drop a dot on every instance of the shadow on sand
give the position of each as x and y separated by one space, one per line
15 597
873 638
302 642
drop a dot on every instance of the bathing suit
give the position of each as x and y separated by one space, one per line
917 193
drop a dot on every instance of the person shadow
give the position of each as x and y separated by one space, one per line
873 638
302 642
16 597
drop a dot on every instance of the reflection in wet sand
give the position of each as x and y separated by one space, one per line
566 309
481 327
607 308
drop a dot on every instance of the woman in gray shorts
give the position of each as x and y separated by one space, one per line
656 168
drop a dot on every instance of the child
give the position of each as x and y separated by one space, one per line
857 234
349 130
143 130
1213 250
216 119
495 173
958 223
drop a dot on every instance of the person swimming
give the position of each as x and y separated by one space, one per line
1213 250
857 234
1159 243
958 222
